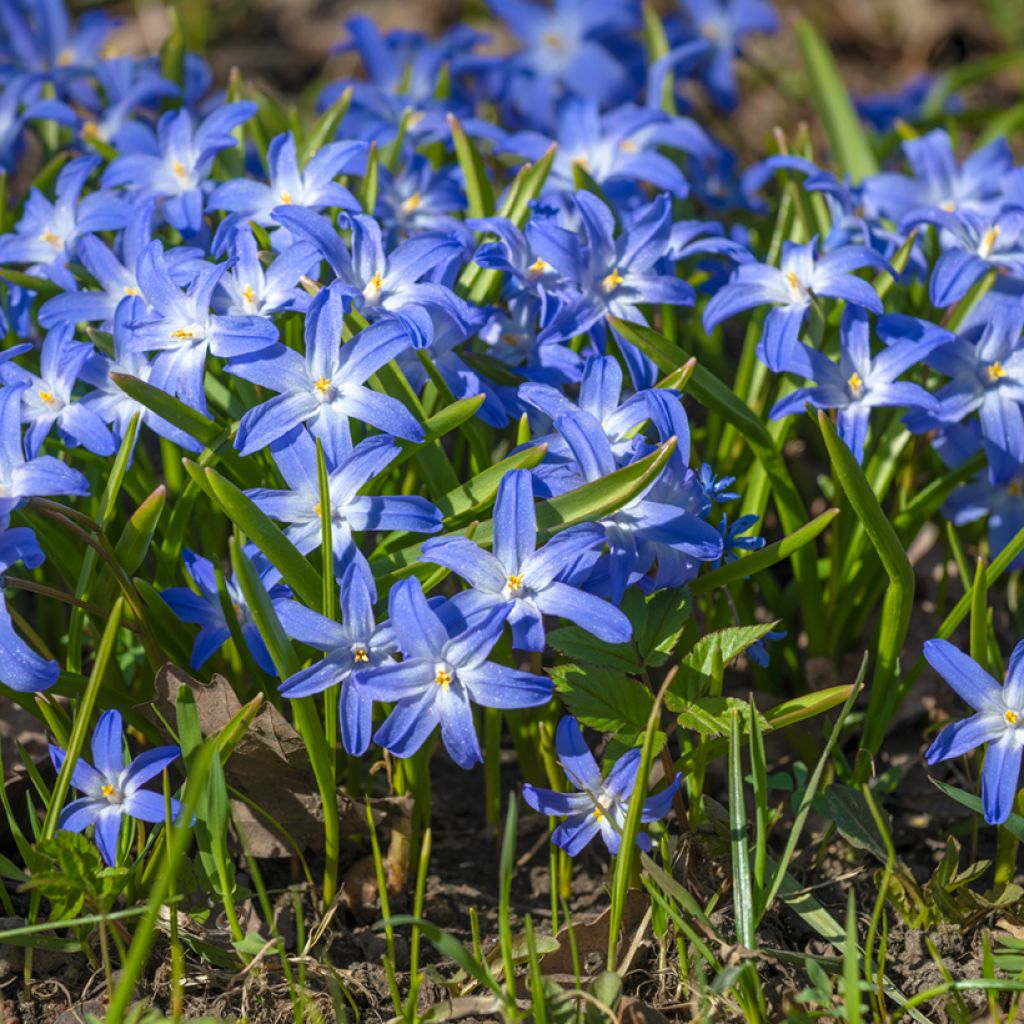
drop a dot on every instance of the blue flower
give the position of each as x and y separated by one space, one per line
19 103
618 149
253 291
327 387
789 288
635 532
175 165
44 476
180 327
615 276
115 406
204 609
716 488
45 236
725 24
418 197
113 788
601 804
986 365
444 672
295 455
353 645
972 242
127 84
998 494
882 110
116 277
859 382
733 540
565 51
998 721
599 395
311 187
381 283
47 399
938 183
523 579
41 38
21 668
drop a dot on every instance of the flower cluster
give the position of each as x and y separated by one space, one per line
464 235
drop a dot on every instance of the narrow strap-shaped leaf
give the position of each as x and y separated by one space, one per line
846 134
269 538
899 597
479 194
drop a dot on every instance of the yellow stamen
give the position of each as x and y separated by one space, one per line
537 267
629 146
996 371
554 40
182 334
179 169
131 290
598 813
1012 718
1015 487
612 281
286 198
65 57
248 294
91 130
107 790
792 280
50 238
412 204
359 654
443 678
948 206
375 285
988 241
46 396
316 509
323 385
855 383
515 581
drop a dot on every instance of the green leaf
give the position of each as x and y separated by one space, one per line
1014 824
42 286
591 501
269 538
768 556
448 946
604 699
850 812
846 134
326 127
182 416
718 398
479 194
742 884
581 646
658 622
720 647
899 596
261 608
711 716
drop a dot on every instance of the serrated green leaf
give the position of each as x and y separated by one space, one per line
659 623
581 646
712 716
724 645
605 699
